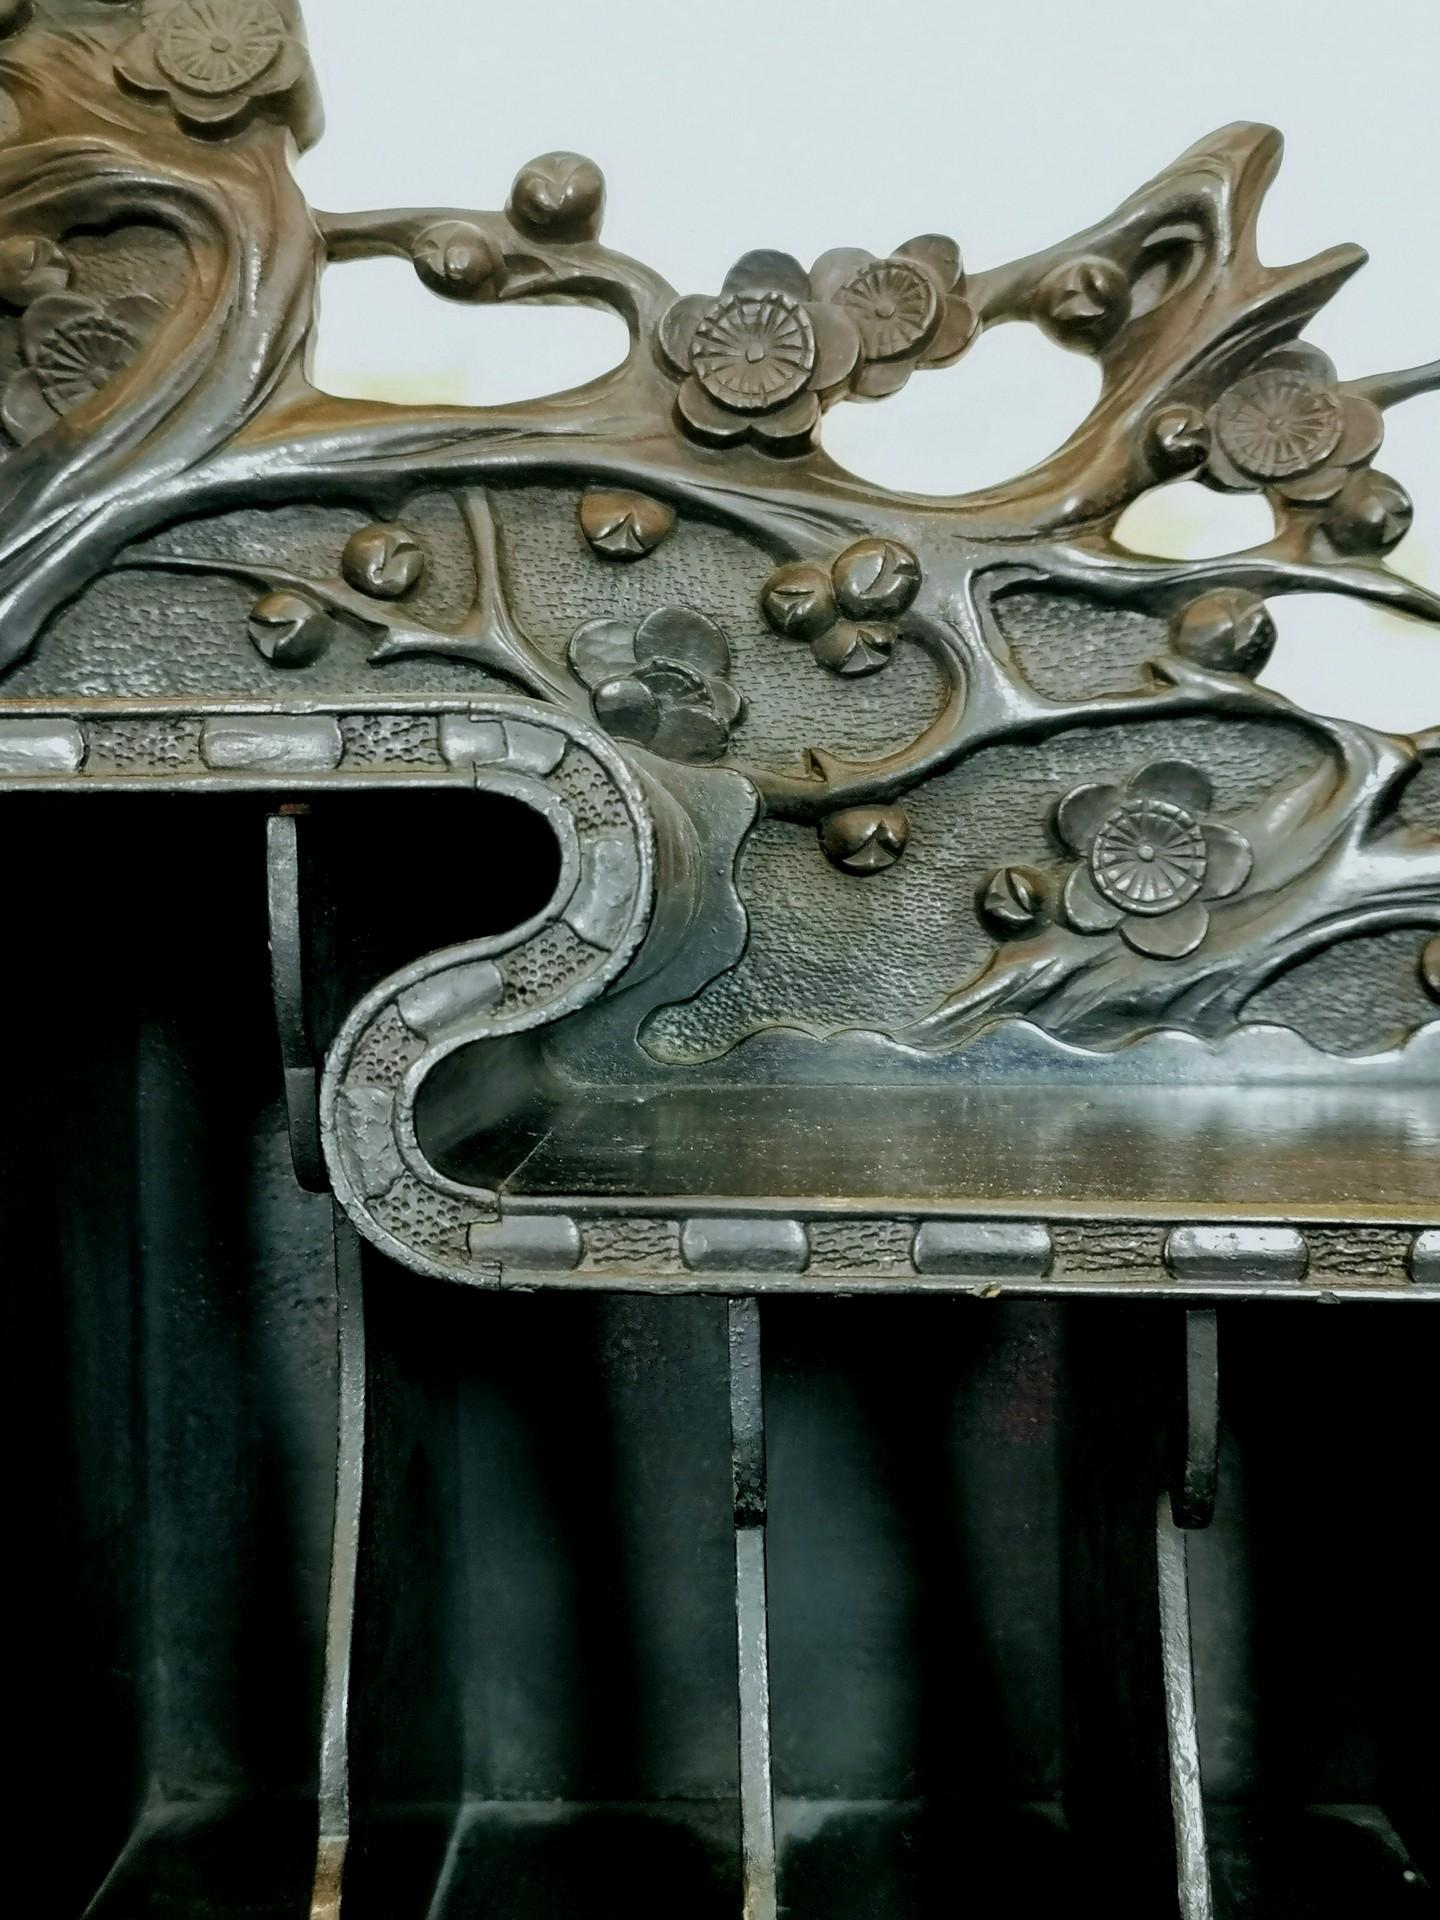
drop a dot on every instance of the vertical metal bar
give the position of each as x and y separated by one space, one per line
287 982
747 1458
1192 1858
334 1797
1198 1466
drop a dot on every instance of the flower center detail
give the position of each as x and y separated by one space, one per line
79 357
1149 857
214 47
894 304
1277 424
754 351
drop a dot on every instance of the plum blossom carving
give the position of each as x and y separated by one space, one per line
663 684
218 61
758 361
910 308
1288 426
72 347
1150 861
845 612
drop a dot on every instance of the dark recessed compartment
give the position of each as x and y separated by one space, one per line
965 1523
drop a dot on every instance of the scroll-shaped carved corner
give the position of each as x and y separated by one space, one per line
613 833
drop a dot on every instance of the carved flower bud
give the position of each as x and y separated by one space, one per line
1430 967
1011 899
456 259
799 601
624 526
1178 440
852 650
1082 304
1229 632
1371 514
387 562
560 196
865 840
290 629
875 579
30 266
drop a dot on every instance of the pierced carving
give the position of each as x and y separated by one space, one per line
477 548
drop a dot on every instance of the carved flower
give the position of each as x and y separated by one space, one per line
217 60
1150 861
72 347
910 308
759 359
662 684
844 613
1289 426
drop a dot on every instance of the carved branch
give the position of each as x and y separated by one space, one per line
524 270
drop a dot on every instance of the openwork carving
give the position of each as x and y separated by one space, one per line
1043 757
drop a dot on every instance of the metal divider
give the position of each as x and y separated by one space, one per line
1143 1421
747 1461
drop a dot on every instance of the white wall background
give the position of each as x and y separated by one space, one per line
805 124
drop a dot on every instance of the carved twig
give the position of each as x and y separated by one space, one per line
489 636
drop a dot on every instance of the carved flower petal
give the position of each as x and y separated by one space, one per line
137 311
24 409
1082 813
1300 357
690 733
1176 781
706 419
1228 861
680 634
603 650
53 310
792 428
136 64
837 346
1167 936
938 254
767 272
285 71
1307 488
211 114
879 378
677 329
728 703
1362 433
959 325
675 684
836 268
628 708
1084 908
1225 478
